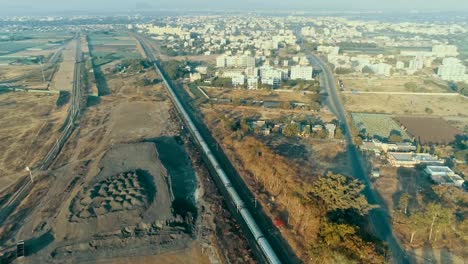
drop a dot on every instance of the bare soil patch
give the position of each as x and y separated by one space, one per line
428 129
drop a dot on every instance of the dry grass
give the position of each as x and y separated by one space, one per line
395 84
29 125
406 104
256 95
63 78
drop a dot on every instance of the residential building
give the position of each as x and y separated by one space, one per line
404 159
442 51
301 72
452 70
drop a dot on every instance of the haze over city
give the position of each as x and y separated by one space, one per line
234 132
49 7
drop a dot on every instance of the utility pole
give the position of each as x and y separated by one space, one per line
30 174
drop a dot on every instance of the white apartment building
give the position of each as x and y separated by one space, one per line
235 61
416 64
301 72
452 70
328 49
252 82
269 73
238 80
381 69
442 51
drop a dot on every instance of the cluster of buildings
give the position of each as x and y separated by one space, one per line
408 62
305 130
229 35
243 71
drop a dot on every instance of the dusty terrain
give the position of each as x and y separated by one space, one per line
449 107
63 78
395 84
108 197
29 125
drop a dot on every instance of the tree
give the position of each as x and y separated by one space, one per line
291 130
395 136
412 86
403 202
333 234
438 216
339 192
417 222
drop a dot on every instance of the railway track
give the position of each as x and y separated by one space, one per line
69 125
268 254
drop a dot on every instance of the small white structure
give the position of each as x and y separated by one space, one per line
443 175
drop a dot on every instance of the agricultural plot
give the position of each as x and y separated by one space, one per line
429 129
380 126
107 48
16 46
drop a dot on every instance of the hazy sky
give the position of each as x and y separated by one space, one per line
15 7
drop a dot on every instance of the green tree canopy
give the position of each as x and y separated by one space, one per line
339 192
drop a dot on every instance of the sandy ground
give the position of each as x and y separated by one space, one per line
63 78
29 125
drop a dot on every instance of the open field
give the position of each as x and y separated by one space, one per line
378 125
8 72
406 104
29 125
263 95
395 84
63 78
429 130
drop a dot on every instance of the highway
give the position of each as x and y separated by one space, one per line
379 217
68 127
266 242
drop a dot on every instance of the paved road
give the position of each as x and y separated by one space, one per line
380 219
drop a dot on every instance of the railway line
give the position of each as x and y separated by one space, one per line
69 125
261 241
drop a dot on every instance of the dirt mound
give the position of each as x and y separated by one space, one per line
124 191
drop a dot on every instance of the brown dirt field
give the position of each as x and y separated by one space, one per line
429 130
445 106
192 255
63 78
10 72
255 94
394 84
29 125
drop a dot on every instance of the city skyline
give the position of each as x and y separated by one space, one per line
55 7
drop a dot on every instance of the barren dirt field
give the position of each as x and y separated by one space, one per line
29 125
256 94
429 130
63 78
395 84
8 72
407 104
